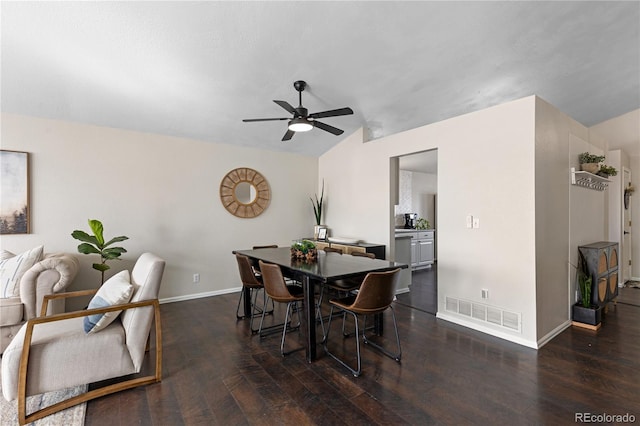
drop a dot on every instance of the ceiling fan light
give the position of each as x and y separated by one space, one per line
300 125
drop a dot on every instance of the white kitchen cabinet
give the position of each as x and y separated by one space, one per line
422 248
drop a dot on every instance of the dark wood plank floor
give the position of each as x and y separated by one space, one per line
423 290
217 373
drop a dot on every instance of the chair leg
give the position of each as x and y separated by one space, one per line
253 309
285 326
397 356
356 372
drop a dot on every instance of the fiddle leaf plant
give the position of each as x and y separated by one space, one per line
95 244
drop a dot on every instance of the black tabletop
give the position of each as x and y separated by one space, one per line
327 267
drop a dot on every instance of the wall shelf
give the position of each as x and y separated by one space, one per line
588 180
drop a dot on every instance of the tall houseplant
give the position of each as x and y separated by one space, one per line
317 210
583 313
95 244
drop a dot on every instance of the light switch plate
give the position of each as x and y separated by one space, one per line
469 221
476 222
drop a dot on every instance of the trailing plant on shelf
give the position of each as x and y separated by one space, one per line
586 158
606 171
95 244
590 162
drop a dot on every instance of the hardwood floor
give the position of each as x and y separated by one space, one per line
628 294
216 373
423 291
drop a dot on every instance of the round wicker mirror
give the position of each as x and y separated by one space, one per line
244 192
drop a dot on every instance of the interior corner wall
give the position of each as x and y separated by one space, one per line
561 217
486 168
634 202
162 192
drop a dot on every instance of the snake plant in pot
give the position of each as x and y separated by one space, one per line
95 244
585 314
317 211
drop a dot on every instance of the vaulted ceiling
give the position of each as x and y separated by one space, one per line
196 69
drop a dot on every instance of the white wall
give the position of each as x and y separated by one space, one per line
624 132
566 215
162 192
485 168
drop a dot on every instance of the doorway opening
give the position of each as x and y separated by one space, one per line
415 220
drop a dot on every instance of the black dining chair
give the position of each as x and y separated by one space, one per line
374 297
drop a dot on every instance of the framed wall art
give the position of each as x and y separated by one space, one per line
14 192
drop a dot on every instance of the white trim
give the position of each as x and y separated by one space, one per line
491 331
553 333
220 293
200 295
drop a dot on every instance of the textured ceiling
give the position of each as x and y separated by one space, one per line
196 69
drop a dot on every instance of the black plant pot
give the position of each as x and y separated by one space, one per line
591 316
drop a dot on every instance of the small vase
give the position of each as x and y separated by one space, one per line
316 231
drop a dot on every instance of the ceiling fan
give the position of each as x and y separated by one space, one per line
302 121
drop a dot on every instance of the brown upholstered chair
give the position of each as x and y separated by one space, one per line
264 247
341 287
375 296
251 286
363 254
278 290
332 250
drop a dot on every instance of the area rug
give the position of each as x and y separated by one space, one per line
73 416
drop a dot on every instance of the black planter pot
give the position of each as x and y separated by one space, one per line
591 316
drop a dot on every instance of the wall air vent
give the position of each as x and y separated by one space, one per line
484 313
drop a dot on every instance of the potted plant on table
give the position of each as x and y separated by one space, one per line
304 250
583 313
590 162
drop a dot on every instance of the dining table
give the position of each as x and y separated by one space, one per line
325 268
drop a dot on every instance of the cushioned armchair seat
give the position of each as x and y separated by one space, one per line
63 351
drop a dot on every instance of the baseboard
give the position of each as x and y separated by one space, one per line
200 295
478 327
553 333
221 292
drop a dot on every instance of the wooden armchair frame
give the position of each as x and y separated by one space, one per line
96 393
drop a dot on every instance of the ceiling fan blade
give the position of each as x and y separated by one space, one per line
249 120
328 128
288 135
286 106
332 113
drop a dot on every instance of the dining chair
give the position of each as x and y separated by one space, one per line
251 286
332 250
363 254
374 297
278 290
340 287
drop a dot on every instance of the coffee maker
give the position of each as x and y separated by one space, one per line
410 220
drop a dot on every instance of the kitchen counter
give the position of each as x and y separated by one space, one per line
403 230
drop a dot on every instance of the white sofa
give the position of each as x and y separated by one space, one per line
53 274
